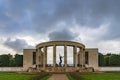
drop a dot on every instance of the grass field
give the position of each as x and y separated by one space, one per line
72 76
100 76
16 76
94 76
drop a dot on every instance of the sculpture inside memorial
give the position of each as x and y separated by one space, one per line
60 57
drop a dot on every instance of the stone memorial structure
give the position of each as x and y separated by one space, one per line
84 59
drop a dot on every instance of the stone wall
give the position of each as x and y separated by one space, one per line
11 69
28 58
109 69
92 57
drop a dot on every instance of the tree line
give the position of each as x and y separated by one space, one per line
8 60
109 59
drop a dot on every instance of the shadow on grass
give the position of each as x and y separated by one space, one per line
42 76
74 76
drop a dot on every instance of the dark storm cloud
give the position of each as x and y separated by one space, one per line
64 34
18 45
12 17
41 16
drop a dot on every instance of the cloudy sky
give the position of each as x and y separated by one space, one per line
25 23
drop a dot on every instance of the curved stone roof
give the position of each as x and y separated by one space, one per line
60 43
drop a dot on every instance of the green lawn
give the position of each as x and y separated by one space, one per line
101 76
17 76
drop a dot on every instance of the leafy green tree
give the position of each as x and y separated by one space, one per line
115 60
101 60
18 60
107 60
108 54
4 60
11 60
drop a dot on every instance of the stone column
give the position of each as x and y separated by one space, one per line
75 55
37 57
54 56
41 58
65 55
83 57
40 52
44 56
79 58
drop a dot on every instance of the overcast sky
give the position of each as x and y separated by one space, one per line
25 23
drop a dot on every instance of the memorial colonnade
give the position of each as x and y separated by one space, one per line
78 53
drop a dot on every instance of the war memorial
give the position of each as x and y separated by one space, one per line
84 59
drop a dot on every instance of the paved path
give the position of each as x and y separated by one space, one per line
58 77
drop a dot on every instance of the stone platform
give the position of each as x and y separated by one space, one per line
61 69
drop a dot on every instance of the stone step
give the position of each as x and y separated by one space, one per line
61 69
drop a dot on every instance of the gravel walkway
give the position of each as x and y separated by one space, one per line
58 77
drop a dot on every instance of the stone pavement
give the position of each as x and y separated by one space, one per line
58 77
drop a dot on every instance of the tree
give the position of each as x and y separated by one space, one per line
11 61
107 60
115 60
4 60
101 60
18 60
7 60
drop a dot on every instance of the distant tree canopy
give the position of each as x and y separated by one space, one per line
109 59
8 60
101 59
